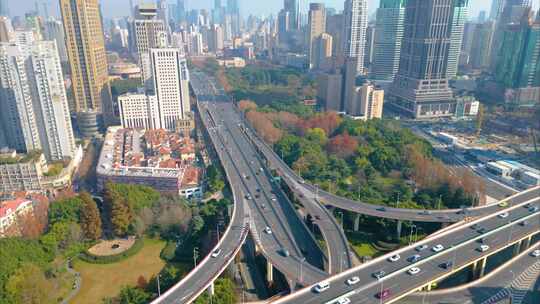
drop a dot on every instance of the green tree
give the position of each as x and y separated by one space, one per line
121 216
28 285
133 295
479 119
90 217
197 224
66 210
317 135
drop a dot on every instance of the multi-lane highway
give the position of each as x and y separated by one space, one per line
277 230
514 278
460 246
211 267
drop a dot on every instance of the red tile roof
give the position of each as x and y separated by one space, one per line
8 207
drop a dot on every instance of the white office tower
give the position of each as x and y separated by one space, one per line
54 30
34 107
150 32
354 37
169 104
215 41
195 44
387 41
171 86
456 38
316 27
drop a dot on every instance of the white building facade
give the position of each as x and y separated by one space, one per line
354 37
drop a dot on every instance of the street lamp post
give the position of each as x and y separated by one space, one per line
195 255
413 227
301 273
158 286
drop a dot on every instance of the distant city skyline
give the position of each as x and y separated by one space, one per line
118 8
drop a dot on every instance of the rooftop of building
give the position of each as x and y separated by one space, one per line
145 153
8 207
10 157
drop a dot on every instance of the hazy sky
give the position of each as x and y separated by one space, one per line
113 8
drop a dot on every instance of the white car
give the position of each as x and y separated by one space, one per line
438 248
483 248
267 230
353 281
503 215
216 253
344 300
394 258
421 247
322 286
413 270
536 253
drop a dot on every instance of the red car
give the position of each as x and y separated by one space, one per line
383 295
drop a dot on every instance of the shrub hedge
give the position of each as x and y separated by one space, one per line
108 259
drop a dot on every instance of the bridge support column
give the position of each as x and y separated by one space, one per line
474 271
482 268
398 229
357 222
428 287
211 290
269 272
526 243
517 247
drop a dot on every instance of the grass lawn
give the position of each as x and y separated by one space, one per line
361 243
105 280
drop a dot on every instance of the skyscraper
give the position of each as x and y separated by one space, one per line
4 8
323 51
459 17
387 40
168 105
481 45
171 85
150 32
496 9
233 10
34 109
512 12
55 31
420 86
292 7
86 52
316 27
356 21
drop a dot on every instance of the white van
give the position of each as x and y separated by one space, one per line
322 286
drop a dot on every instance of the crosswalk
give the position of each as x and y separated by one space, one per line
519 288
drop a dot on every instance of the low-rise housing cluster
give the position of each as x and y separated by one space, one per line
163 160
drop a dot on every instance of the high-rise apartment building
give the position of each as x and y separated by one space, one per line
387 40
355 25
34 108
459 17
86 51
334 27
215 39
316 27
283 25
329 93
6 29
233 10
421 86
323 52
150 32
367 102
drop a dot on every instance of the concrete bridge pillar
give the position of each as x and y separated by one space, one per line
269 272
429 286
526 243
398 229
357 222
517 247
474 271
211 290
482 268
